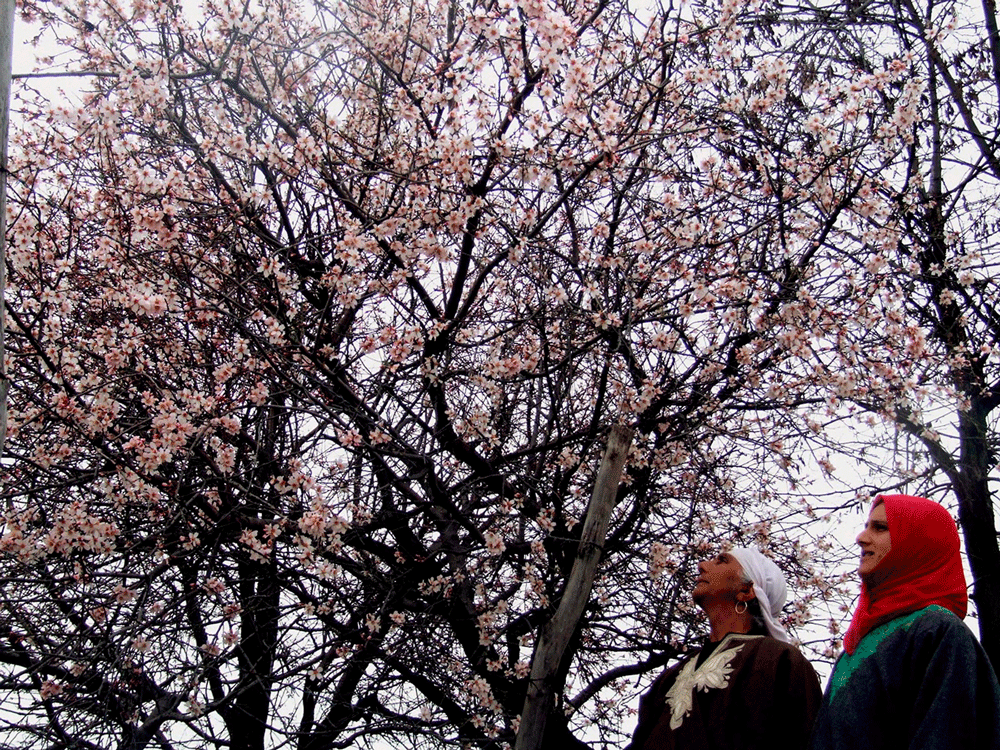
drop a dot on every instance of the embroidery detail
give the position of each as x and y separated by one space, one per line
714 673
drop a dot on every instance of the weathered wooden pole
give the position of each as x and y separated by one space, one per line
6 64
556 634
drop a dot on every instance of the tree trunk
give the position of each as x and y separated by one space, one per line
975 515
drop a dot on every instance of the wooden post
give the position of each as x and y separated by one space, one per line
556 634
6 63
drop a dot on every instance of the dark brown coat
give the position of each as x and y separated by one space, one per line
752 693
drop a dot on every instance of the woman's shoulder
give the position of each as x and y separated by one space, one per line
767 647
937 616
936 622
930 621
773 644
936 628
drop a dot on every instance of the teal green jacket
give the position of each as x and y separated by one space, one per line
919 682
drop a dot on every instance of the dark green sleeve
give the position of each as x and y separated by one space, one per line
956 698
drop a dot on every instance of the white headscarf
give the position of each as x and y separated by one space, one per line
768 585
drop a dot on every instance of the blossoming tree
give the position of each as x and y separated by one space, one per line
321 315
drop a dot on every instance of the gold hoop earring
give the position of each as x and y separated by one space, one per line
741 611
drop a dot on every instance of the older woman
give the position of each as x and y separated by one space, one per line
748 686
912 675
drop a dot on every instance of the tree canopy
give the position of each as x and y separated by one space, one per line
321 316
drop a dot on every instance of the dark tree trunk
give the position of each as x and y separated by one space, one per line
976 517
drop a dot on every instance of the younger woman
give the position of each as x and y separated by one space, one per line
912 675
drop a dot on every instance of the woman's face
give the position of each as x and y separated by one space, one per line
874 540
719 578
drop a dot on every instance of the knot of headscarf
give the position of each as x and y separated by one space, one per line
768 585
923 567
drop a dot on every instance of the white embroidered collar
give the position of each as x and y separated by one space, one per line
714 672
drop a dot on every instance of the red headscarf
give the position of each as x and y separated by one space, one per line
922 567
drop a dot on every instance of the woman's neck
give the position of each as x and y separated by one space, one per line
724 619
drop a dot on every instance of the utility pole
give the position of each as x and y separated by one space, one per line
6 64
546 677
